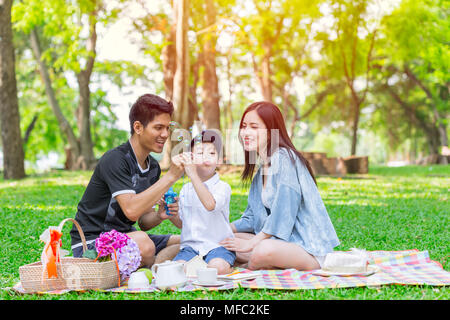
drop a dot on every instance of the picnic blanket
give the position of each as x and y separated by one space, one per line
407 267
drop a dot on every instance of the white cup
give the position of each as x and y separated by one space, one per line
138 280
207 275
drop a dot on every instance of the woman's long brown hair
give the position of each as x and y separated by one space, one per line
271 115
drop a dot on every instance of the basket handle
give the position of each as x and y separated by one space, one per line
80 231
117 264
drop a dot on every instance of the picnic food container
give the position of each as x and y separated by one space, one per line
355 261
72 273
138 280
169 274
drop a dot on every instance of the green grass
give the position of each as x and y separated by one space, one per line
388 209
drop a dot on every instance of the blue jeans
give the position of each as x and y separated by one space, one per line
187 253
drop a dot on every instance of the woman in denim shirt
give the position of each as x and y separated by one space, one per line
286 224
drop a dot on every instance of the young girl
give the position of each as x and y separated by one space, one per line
286 224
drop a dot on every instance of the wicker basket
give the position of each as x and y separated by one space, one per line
73 273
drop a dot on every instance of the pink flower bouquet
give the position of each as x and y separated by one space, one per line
127 251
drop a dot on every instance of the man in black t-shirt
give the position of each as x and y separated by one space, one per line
126 185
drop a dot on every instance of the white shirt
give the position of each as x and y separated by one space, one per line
202 229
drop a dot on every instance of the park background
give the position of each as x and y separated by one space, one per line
363 78
367 77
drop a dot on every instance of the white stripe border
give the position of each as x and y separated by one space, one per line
79 244
115 194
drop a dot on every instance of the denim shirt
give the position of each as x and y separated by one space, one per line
297 212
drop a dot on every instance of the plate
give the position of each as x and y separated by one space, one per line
218 283
239 276
165 287
370 270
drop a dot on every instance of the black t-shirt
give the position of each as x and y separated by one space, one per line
117 172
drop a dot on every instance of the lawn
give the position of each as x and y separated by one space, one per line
388 209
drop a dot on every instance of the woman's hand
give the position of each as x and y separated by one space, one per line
237 244
244 245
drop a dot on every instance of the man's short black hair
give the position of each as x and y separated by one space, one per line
208 136
147 107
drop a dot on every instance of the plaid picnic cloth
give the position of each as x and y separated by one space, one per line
407 267
410 267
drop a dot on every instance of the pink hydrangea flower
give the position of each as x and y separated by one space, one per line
105 243
128 253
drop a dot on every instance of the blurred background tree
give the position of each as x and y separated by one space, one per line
13 155
365 77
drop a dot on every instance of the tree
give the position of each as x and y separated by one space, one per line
83 74
175 63
411 65
39 126
210 89
57 36
266 32
259 33
417 38
181 77
64 124
351 53
209 20
13 154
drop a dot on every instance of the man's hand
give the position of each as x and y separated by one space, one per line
176 169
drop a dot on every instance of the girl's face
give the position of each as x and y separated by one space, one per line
253 133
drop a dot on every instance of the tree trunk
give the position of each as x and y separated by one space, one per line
356 112
169 58
64 125
430 131
350 77
439 123
169 65
30 128
263 72
87 159
228 109
13 154
181 85
266 73
210 92
287 104
192 99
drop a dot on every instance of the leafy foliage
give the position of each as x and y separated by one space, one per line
311 51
